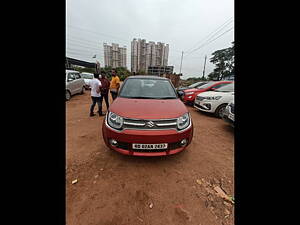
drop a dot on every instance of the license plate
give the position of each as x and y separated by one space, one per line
231 116
150 146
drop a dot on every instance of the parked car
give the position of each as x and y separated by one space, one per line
189 95
74 84
230 78
87 77
195 85
215 101
229 113
147 119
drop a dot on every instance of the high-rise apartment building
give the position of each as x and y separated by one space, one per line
114 55
144 55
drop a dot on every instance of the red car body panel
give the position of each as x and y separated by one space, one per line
191 98
147 109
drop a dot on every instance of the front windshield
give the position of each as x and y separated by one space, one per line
207 85
148 88
226 88
197 84
87 76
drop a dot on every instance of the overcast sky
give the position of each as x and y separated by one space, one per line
183 24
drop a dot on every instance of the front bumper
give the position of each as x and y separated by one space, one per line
126 138
188 99
205 106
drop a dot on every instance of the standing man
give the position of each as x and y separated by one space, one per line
95 85
104 89
114 85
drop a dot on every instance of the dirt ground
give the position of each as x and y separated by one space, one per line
114 189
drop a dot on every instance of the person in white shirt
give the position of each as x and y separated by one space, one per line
95 85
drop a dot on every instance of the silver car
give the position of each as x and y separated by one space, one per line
74 84
87 78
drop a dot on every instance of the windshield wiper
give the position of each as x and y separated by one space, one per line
137 97
167 98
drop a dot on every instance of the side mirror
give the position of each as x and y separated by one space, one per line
180 93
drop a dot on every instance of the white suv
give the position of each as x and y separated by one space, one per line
215 101
229 113
74 83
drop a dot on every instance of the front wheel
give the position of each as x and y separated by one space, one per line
68 95
220 111
82 90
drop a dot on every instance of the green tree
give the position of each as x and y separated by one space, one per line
224 61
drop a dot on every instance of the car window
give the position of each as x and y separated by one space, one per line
226 88
219 85
199 85
195 84
87 76
77 76
210 83
71 76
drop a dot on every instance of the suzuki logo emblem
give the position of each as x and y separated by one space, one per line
150 124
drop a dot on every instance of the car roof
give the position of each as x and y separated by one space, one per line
72 71
146 77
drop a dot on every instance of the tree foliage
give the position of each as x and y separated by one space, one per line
224 61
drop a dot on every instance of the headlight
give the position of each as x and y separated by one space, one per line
190 93
213 97
114 120
183 121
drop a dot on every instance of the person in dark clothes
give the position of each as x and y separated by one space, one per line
104 89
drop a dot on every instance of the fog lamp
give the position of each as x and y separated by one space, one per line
113 142
183 142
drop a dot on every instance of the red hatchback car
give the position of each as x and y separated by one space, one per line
189 95
147 119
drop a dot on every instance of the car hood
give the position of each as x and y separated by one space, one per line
148 108
215 93
182 88
191 89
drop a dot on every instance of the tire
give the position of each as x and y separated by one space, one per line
191 104
220 110
68 95
82 90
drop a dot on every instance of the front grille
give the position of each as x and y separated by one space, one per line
200 98
150 124
123 145
128 146
201 107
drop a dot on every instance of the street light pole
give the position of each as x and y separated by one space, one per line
204 68
181 62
